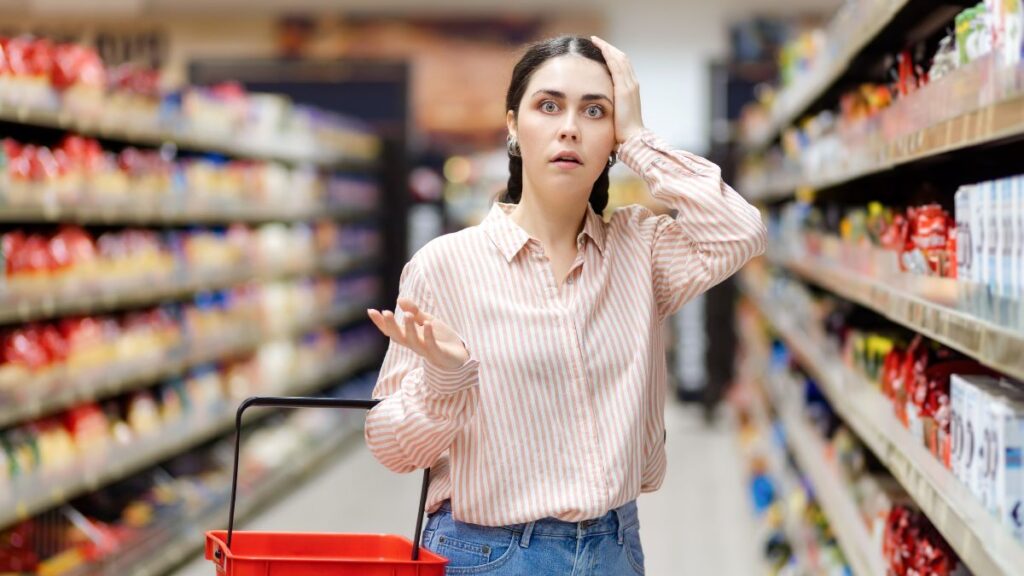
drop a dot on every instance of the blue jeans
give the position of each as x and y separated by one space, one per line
609 545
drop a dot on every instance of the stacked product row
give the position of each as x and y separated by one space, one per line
71 80
974 66
79 172
980 242
72 259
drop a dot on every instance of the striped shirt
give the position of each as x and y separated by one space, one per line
560 410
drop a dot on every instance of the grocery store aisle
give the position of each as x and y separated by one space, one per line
696 524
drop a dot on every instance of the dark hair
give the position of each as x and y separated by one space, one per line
536 55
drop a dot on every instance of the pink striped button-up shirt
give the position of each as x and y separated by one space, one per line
560 410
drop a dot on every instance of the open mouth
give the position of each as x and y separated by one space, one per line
568 159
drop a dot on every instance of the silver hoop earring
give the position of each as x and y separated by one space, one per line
612 159
513 146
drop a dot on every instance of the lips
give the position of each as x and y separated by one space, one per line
567 156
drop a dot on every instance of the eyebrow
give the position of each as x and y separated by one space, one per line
585 98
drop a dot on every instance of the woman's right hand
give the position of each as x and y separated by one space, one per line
425 335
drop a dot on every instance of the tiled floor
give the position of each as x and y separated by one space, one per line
697 524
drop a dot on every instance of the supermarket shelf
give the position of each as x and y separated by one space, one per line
835 500
992 344
180 542
157 214
102 383
131 133
794 101
47 304
30 496
774 454
982 126
986 546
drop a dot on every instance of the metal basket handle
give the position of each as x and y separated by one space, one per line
299 402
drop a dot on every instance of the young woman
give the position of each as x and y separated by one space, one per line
526 365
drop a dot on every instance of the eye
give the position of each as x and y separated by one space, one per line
594 111
548 106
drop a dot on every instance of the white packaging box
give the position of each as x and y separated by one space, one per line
976 222
980 390
1007 501
1004 274
992 236
957 428
968 453
994 401
984 440
1018 254
961 214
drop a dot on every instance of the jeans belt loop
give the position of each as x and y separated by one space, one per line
527 533
621 526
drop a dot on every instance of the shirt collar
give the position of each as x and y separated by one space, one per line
510 238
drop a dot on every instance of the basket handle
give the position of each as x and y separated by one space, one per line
300 402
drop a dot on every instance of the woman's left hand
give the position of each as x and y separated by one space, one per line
628 120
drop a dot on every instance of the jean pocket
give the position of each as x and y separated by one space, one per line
634 550
425 538
469 553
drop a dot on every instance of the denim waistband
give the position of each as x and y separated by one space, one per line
614 521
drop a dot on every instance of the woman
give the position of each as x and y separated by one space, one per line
526 365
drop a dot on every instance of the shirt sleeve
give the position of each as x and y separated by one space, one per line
714 233
423 407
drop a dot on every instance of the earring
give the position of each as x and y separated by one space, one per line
513 146
612 159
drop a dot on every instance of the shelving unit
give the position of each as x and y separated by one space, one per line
835 500
30 495
810 455
784 482
984 545
187 536
130 133
964 127
940 318
794 101
15 307
281 356
117 379
982 125
160 215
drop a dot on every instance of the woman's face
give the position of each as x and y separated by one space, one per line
565 126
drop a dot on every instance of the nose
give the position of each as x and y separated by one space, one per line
569 130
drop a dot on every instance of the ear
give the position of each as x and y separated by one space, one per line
510 122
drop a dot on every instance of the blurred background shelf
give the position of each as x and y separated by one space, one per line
982 127
862 28
177 541
29 495
64 391
40 305
163 215
835 498
130 133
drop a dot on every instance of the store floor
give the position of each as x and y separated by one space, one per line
698 523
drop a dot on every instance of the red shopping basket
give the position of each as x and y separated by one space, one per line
310 554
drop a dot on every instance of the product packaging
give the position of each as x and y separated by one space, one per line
1007 476
962 209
